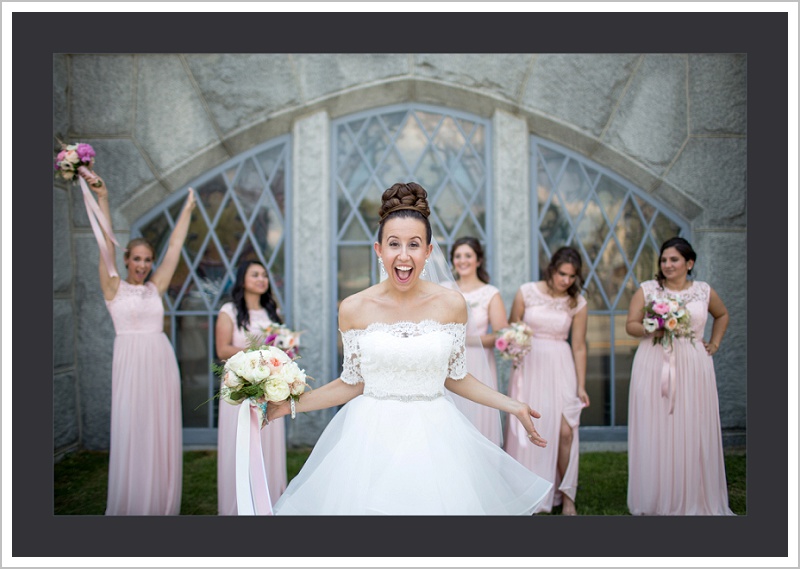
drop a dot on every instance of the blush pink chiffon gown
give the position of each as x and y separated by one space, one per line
481 363
273 436
145 465
676 465
546 380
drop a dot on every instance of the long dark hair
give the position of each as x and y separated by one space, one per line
267 300
683 247
475 245
566 255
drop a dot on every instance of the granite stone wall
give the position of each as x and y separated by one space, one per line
672 124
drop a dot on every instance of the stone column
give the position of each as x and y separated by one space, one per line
310 231
511 213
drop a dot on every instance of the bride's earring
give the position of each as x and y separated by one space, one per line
383 269
425 269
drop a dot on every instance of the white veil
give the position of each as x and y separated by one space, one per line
438 271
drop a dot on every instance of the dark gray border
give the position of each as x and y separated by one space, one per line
36 36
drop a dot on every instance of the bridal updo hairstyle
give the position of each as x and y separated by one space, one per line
405 200
566 255
683 247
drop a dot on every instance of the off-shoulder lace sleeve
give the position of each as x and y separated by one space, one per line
351 365
457 366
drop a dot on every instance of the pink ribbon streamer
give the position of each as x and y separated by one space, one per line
252 492
668 377
100 225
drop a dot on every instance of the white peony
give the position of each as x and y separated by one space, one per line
278 353
237 363
298 387
276 390
231 380
259 368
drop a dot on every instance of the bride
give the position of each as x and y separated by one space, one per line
400 446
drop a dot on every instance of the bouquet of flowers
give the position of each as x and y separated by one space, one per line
514 342
264 372
281 336
72 158
667 313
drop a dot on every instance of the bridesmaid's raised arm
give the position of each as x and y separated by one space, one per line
163 274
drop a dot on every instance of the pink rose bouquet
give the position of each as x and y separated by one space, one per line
667 313
281 336
514 342
71 159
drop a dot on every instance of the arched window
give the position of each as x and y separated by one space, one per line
444 151
618 228
241 214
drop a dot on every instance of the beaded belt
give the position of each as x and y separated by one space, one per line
405 398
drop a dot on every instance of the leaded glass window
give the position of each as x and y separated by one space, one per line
444 151
618 228
241 214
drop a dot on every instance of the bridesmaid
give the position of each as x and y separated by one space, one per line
252 309
145 466
676 465
553 374
486 310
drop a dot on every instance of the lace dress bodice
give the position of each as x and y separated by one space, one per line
549 317
695 299
478 302
137 309
407 361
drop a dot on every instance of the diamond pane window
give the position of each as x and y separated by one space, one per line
240 215
618 229
444 151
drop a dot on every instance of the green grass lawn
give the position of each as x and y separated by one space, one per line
81 480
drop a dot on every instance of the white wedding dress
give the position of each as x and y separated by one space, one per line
403 448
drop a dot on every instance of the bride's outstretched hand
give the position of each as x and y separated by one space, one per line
524 415
277 410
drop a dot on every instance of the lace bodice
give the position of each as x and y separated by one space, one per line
137 309
550 318
695 298
404 360
478 302
259 319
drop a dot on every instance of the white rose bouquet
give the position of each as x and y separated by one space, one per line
514 342
260 375
667 313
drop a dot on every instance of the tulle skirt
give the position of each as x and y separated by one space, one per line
391 457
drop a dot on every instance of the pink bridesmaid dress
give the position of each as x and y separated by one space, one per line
273 436
676 465
145 467
546 380
485 419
